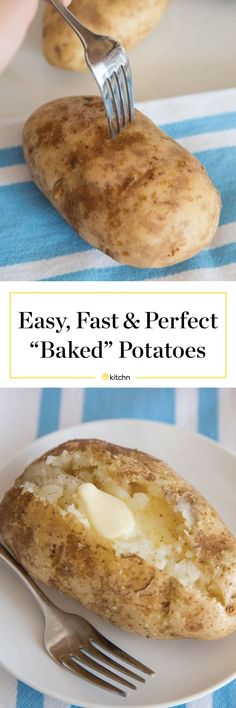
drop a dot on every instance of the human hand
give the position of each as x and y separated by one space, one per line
15 18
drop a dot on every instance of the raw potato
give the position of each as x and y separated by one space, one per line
140 198
176 578
127 22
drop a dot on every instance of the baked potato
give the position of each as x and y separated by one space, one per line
119 531
127 22
140 198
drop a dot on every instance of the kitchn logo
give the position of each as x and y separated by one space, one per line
115 377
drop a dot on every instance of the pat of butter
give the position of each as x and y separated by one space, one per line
109 515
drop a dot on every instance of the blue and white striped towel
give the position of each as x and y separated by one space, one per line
37 244
209 411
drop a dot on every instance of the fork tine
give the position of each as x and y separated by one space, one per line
108 103
121 86
115 100
106 645
128 82
68 663
119 76
115 664
92 663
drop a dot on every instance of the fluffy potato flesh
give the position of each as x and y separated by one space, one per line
127 22
141 198
175 576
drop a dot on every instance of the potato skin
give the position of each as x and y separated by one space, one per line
127 22
141 198
126 590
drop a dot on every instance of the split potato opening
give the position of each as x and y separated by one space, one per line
122 533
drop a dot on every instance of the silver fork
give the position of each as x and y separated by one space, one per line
74 644
110 66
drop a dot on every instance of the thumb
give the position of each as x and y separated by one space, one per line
15 18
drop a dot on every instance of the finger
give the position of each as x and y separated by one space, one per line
15 18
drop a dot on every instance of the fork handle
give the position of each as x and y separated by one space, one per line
9 561
82 32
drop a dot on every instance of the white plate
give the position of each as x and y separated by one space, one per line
185 669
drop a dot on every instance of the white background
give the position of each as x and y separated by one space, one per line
167 63
25 362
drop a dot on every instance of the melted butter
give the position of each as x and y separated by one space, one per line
155 519
107 514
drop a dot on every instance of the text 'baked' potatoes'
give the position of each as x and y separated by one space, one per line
127 22
140 198
119 531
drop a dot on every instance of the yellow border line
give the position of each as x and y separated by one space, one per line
115 292
181 377
225 349
10 337
226 335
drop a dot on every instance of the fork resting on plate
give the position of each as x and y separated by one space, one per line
73 643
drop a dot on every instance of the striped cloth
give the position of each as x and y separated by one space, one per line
37 244
210 411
